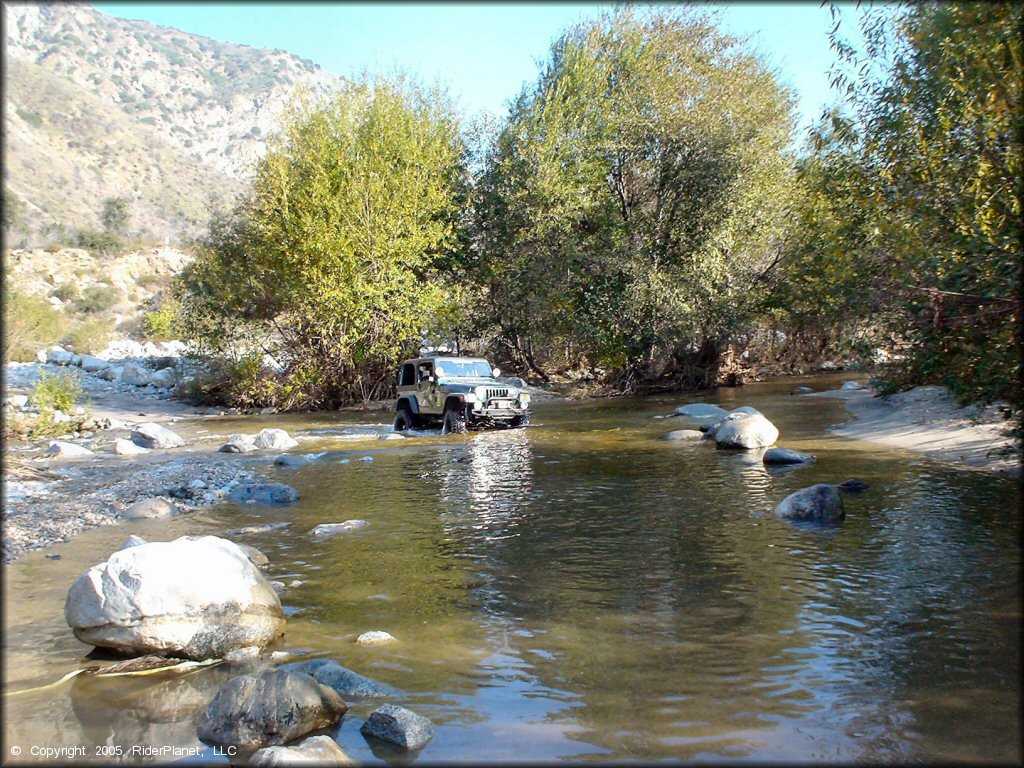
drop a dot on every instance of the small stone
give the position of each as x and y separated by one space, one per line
848 385
256 557
398 725
274 438
391 436
785 456
278 586
16 401
801 391
318 750
853 486
149 434
52 556
266 494
132 541
344 681
287 460
243 654
375 637
238 444
135 375
366 458
684 434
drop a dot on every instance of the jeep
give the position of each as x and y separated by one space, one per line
456 393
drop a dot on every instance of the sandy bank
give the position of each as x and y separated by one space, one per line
928 420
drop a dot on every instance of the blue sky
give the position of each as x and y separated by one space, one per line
483 52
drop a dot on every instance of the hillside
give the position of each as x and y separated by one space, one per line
101 107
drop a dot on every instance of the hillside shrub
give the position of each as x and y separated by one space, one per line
163 323
30 324
97 298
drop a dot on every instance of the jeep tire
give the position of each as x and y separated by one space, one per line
454 421
404 419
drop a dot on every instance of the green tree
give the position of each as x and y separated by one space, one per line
115 215
331 266
634 205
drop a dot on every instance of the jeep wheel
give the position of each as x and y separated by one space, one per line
521 421
404 419
454 422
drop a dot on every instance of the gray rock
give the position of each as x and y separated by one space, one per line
398 725
165 377
124 447
274 438
848 385
253 529
330 529
822 503
272 707
198 598
263 494
700 411
390 436
151 435
346 682
684 434
150 508
61 449
132 541
785 456
112 373
319 750
853 485
747 410
801 390
92 364
16 401
238 444
375 637
135 375
59 356
746 431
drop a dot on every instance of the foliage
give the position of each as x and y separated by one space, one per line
55 392
331 265
105 243
30 324
89 335
163 323
97 298
115 214
635 202
914 222
13 212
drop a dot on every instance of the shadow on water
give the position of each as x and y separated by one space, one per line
583 589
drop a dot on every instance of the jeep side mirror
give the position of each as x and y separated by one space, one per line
496 372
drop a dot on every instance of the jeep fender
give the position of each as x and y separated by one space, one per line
455 401
410 401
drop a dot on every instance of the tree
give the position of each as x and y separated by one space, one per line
115 215
635 201
331 266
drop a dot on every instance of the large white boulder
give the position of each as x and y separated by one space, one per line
274 438
745 430
124 447
59 356
92 364
165 377
194 597
149 434
66 450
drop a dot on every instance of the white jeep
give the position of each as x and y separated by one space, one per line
457 393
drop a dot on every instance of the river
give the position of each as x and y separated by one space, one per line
584 590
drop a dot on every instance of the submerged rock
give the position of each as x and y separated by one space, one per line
343 680
287 460
684 434
319 750
149 434
853 485
786 456
375 637
272 707
150 508
398 725
238 444
198 598
821 502
263 494
700 411
256 557
801 390
745 430
329 529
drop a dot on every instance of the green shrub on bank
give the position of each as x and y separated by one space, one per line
97 298
163 323
55 392
30 324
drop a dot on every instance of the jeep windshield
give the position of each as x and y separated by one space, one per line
464 369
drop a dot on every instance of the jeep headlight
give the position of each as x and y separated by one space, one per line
470 397
524 399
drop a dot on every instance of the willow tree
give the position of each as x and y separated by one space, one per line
331 267
634 202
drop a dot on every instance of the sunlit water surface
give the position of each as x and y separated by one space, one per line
583 589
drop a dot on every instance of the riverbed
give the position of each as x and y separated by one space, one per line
584 590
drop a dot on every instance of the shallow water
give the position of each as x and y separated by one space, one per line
582 589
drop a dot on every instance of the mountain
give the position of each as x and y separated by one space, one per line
99 107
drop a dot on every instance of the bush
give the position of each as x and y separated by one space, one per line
30 324
55 392
106 243
90 335
163 323
97 298
67 292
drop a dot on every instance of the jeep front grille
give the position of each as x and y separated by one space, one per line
493 393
